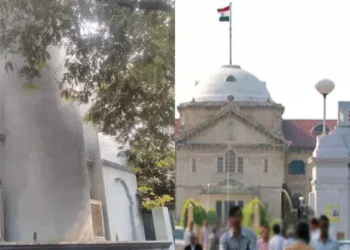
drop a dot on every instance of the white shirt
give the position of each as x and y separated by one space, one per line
206 233
315 234
330 244
276 242
187 236
288 242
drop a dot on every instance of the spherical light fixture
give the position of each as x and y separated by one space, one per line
325 86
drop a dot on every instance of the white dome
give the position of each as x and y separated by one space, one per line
231 81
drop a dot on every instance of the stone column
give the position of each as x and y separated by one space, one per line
257 217
190 214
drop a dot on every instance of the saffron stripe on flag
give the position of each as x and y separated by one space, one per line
224 9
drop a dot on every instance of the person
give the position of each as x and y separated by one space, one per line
218 229
276 242
237 237
302 236
263 243
324 241
206 231
214 240
188 232
290 239
193 245
314 228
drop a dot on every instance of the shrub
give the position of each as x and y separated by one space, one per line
248 214
212 217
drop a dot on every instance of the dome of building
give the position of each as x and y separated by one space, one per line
233 81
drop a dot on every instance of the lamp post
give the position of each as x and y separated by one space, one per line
324 87
208 194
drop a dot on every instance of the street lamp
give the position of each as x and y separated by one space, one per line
208 194
301 199
324 87
303 210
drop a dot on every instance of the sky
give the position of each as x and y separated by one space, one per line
289 44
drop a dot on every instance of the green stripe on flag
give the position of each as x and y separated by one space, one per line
224 19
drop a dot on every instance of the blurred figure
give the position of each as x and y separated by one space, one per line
290 239
276 242
302 236
218 229
314 228
324 241
263 242
188 232
193 245
214 240
205 233
237 237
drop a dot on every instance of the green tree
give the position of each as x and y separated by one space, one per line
212 217
155 170
249 211
199 213
125 65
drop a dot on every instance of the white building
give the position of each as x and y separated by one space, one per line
244 140
60 178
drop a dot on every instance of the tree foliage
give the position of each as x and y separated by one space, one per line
199 213
155 170
121 53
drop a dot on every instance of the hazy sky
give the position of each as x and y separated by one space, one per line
290 44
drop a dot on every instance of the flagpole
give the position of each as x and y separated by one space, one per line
230 33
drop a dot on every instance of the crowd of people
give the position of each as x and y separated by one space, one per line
312 235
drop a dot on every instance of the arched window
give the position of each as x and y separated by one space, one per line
318 129
230 160
230 79
296 167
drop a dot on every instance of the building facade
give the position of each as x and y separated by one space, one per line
232 145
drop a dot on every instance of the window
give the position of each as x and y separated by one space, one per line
318 129
266 165
230 161
228 205
194 165
240 204
220 164
230 79
218 209
240 165
296 167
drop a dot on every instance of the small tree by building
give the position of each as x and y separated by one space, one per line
199 213
212 217
249 213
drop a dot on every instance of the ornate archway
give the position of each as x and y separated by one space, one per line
131 206
289 210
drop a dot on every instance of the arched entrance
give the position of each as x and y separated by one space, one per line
289 208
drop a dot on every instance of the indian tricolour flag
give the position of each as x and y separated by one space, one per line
224 14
